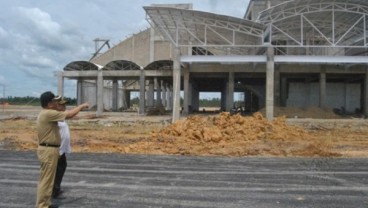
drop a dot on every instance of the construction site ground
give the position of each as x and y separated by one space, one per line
309 132
154 181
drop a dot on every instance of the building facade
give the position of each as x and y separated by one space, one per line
297 53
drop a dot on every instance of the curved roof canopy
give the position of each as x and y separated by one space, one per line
81 66
333 23
121 65
297 7
195 28
160 65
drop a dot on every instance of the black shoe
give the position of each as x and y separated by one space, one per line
57 194
53 206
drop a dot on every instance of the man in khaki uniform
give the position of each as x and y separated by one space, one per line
49 142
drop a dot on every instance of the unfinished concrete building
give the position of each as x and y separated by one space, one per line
282 53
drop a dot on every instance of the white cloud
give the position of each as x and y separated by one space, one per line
33 45
40 20
46 33
3 33
37 61
5 39
38 37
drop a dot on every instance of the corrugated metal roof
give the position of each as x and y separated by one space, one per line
189 27
121 65
296 7
82 66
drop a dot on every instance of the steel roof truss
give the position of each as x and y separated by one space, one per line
221 36
277 15
191 34
350 29
225 25
286 34
161 27
321 33
365 25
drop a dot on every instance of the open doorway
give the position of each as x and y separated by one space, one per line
209 102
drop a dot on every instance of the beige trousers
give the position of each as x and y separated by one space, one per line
48 156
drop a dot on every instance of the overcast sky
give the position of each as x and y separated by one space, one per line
39 37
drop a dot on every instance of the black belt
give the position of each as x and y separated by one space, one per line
49 145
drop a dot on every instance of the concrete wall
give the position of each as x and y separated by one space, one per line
137 50
89 93
260 92
162 50
346 95
337 95
107 101
142 48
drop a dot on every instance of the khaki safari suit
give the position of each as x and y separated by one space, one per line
47 153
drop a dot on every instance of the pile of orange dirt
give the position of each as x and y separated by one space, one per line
235 135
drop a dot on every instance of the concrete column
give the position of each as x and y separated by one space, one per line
142 92
270 77
190 100
163 93
176 86
346 99
60 83
322 88
152 45
283 93
247 99
150 93
125 99
158 91
277 101
195 99
100 87
79 91
168 97
186 90
365 106
223 98
230 92
115 96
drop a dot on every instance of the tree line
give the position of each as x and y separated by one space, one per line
214 102
35 101
29 100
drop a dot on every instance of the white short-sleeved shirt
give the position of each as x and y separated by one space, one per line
65 146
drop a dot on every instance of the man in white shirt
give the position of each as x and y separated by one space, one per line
65 148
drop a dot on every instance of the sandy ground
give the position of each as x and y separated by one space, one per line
215 134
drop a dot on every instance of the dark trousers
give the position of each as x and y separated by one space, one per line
60 170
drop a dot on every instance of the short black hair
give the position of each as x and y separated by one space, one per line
45 98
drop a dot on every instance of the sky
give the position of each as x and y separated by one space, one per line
40 37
